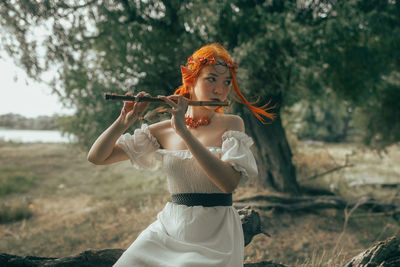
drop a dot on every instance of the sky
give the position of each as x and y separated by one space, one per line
21 95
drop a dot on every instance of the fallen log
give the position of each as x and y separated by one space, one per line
100 258
264 264
307 203
383 254
90 258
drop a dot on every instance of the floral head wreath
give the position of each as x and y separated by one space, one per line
212 61
194 65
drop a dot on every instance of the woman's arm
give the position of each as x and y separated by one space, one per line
104 150
221 173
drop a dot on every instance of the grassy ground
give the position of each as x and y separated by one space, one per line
54 203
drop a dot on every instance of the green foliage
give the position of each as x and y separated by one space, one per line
327 119
380 117
287 50
15 121
360 46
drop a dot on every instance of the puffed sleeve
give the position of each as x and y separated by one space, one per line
141 148
236 151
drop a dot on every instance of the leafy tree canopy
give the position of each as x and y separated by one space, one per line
287 50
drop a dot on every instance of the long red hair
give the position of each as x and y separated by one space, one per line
208 55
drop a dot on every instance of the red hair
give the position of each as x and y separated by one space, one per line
208 55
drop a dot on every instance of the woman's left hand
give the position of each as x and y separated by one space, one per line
179 105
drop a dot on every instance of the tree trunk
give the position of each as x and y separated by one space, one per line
273 155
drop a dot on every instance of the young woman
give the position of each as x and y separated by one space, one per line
205 154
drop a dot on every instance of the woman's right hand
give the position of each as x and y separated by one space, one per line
132 110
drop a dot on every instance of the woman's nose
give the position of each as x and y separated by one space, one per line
218 89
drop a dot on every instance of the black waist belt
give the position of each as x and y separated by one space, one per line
200 199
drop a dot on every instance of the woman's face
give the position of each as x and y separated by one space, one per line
213 84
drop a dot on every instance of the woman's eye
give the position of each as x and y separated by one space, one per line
211 79
228 82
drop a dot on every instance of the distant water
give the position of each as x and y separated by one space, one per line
32 136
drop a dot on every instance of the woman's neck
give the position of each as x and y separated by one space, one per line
198 112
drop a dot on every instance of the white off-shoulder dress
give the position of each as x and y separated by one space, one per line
188 235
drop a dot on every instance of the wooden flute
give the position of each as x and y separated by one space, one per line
157 100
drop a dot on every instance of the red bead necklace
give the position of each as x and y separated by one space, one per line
194 123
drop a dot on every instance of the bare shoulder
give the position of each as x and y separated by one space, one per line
158 127
233 122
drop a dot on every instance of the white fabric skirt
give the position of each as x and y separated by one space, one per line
189 236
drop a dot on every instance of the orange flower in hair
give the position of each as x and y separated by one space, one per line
216 54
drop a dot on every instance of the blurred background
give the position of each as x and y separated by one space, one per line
331 67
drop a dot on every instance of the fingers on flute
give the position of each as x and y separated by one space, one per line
141 106
181 101
128 94
142 93
168 100
128 105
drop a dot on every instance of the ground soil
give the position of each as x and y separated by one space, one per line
75 206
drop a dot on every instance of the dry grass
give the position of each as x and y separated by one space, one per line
76 206
321 238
